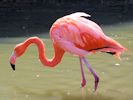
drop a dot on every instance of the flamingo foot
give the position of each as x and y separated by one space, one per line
96 83
83 83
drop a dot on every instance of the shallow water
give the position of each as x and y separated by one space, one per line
33 81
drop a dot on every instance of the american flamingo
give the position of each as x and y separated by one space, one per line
74 34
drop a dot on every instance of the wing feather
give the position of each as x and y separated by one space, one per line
79 14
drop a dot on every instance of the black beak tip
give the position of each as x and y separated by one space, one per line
13 66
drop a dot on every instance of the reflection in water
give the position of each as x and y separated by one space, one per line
61 95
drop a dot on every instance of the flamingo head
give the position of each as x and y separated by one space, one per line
13 60
18 51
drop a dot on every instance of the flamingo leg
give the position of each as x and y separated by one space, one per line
83 83
92 72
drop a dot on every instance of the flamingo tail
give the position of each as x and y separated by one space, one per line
114 48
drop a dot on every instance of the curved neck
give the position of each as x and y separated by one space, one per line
58 52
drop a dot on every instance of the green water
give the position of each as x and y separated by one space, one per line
33 81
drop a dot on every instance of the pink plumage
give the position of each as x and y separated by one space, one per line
80 36
74 34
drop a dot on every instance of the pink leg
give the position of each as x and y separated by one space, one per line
83 83
92 72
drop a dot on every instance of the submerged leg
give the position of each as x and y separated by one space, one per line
93 73
83 83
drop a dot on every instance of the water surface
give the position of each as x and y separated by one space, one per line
33 81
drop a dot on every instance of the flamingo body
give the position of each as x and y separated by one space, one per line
80 36
74 34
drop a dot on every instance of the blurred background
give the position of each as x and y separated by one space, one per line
27 17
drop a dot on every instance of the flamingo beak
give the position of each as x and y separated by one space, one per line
13 66
13 60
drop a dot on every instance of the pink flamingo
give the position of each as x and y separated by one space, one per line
74 34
